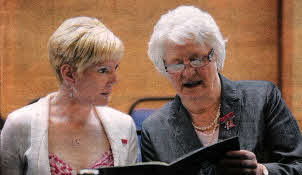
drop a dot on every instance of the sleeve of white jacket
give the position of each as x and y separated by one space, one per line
11 147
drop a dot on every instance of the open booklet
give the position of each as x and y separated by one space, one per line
187 164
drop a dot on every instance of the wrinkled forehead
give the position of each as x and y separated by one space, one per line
184 50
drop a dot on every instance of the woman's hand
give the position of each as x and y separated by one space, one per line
241 162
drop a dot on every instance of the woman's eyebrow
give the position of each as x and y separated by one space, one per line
173 60
102 65
193 56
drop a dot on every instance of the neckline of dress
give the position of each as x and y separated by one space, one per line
109 152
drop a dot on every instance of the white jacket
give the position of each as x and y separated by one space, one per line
24 139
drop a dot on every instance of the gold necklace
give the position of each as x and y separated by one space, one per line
205 128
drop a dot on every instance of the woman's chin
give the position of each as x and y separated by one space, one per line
192 92
194 95
103 101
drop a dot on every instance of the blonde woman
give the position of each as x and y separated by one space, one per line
73 129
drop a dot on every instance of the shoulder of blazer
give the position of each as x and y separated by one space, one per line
114 115
22 117
163 114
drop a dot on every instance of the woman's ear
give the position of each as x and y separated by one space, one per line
67 73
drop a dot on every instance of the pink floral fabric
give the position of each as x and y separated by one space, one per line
59 167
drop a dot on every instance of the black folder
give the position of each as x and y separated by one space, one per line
188 164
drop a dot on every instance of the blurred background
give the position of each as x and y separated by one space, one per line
264 43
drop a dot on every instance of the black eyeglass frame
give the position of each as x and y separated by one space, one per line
210 58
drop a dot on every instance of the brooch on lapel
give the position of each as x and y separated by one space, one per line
227 120
124 141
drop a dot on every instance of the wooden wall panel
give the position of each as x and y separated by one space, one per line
292 56
296 83
7 51
250 27
287 51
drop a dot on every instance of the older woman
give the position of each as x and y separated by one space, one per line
72 129
188 48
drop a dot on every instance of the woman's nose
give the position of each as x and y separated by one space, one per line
189 70
113 78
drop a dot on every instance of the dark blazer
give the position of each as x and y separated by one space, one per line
262 121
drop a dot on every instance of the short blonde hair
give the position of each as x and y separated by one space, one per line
81 42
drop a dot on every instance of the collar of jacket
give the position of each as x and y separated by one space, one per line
230 102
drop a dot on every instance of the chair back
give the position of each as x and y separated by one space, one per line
140 114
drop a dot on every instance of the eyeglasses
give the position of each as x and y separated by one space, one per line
199 62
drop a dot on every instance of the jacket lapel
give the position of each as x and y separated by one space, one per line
182 129
115 137
181 124
230 109
39 138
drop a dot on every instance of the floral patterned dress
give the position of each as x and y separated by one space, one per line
59 167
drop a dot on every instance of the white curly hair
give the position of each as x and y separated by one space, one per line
181 24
